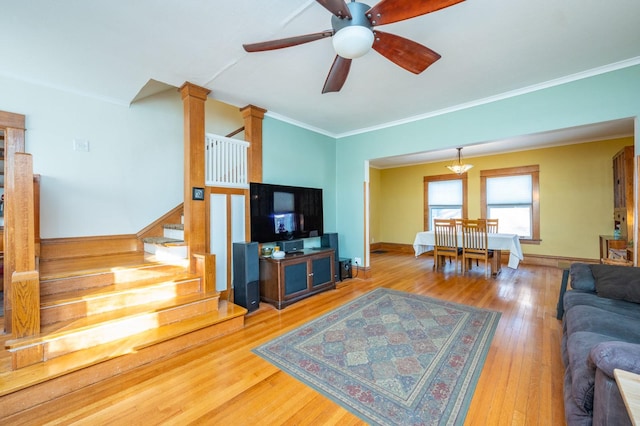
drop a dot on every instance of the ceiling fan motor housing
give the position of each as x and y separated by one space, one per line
353 37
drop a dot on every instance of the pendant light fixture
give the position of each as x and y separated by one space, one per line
458 167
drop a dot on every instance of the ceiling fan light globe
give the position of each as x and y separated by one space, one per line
353 41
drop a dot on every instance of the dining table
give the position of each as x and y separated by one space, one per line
425 241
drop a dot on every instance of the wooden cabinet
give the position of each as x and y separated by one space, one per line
296 276
623 192
610 242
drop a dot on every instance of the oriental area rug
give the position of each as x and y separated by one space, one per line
390 357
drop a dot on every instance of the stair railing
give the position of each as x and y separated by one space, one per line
226 162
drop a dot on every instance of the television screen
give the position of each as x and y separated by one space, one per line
284 222
280 212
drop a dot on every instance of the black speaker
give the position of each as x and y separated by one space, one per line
345 268
330 240
291 246
246 275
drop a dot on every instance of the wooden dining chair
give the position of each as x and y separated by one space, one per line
492 226
446 242
475 245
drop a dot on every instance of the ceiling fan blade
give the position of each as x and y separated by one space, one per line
403 52
337 7
286 42
388 11
337 75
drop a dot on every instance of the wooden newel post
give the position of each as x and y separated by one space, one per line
193 99
14 128
25 281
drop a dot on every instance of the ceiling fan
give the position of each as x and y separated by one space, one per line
353 36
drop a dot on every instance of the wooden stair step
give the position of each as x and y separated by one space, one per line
69 336
82 303
144 346
69 281
162 240
119 286
176 226
86 264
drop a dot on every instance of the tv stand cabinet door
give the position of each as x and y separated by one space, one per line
295 278
322 268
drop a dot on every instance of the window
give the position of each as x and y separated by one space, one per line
512 196
445 197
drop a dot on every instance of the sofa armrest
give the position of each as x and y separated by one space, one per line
607 356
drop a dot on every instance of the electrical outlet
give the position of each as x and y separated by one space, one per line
357 261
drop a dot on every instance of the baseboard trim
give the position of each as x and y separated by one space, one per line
394 247
561 262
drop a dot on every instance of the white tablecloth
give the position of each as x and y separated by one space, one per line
425 241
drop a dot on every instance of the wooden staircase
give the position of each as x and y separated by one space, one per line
105 321
170 245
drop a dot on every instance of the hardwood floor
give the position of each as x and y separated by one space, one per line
225 383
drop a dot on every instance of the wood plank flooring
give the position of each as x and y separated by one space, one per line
223 382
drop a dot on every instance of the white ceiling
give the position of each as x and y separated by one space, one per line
120 51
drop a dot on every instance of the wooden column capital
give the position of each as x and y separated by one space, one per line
253 112
10 119
191 90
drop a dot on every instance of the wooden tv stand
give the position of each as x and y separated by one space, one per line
296 276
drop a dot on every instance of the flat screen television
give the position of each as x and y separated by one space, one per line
280 212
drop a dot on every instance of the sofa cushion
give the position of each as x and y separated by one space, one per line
574 298
582 277
597 320
617 282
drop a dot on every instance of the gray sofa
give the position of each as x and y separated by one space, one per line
601 332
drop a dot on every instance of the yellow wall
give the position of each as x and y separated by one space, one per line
222 119
576 196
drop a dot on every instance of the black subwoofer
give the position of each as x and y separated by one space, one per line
345 268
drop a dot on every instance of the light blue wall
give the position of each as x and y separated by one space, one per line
295 156
609 96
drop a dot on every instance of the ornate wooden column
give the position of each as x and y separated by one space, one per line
195 226
253 117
